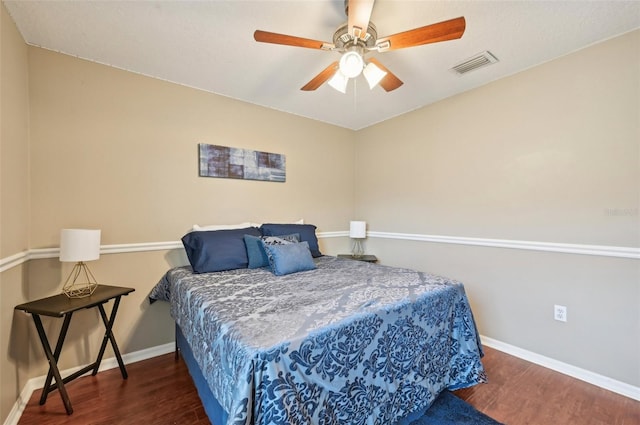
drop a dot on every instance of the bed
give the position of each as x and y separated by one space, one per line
340 342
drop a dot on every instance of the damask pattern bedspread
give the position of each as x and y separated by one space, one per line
347 343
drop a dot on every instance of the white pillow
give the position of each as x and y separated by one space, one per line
301 221
197 228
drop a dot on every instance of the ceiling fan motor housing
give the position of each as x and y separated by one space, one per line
343 40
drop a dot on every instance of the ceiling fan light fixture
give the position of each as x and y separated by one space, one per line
351 64
373 74
339 82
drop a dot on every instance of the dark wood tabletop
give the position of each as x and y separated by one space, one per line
365 257
59 305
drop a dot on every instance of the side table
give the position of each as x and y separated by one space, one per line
367 258
63 306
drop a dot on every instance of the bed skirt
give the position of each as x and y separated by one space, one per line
212 408
214 411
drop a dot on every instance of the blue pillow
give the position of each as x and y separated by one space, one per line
255 251
307 233
217 250
290 258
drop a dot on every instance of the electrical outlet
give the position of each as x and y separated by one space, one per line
560 313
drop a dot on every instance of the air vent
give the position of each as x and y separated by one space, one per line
478 61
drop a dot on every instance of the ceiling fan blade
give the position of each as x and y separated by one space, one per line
321 78
390 81
442 31
289 40
358 15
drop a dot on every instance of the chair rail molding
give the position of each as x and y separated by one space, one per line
13 260
564 248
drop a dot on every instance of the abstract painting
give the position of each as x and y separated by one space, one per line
235 163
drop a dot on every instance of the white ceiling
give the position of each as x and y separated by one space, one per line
209 45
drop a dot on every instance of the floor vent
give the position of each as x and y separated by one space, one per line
478 61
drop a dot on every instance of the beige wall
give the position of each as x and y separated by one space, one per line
550 154
118 151
542 155
14 116
14 196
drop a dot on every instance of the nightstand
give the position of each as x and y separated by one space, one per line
63 306
366 258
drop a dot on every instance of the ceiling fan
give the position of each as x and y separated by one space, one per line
358 37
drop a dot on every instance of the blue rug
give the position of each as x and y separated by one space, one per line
451 410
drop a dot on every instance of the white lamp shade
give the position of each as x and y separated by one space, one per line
79 245
358 229
373 74
339 82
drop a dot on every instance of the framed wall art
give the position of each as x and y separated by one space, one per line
235 163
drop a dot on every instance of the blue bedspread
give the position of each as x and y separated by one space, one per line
347 343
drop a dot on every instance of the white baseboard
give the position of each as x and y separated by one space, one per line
110 363
564 368
601 381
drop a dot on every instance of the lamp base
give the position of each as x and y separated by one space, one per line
358 249
74 289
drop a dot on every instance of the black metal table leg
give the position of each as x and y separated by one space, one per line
56 355
108 336
53 361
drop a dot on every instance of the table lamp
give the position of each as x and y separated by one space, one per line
357 232
79 245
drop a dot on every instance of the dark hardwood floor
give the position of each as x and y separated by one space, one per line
160 391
